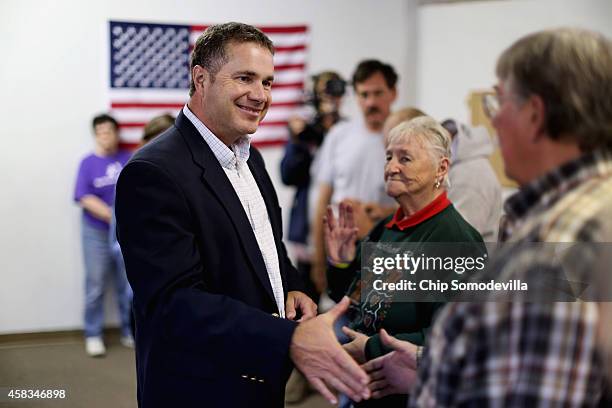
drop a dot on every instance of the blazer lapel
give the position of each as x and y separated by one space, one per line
216 179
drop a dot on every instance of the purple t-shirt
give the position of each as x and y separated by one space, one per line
97 176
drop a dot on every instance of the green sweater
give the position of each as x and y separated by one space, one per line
404 320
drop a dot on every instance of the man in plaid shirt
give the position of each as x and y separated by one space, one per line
553 115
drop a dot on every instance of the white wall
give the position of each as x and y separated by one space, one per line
53 80
458 44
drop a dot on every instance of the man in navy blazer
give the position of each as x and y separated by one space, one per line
219 315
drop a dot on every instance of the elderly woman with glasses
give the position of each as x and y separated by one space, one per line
416 169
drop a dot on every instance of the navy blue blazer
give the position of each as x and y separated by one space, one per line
206 331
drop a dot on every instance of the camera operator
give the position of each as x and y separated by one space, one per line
305 139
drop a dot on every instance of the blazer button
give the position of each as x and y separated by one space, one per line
260 380
253 378
245 376
275 315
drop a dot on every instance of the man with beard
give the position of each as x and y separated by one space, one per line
352 158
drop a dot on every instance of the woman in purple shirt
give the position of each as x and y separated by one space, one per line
95 193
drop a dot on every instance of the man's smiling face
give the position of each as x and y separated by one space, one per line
237 97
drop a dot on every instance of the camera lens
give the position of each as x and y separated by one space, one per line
335 87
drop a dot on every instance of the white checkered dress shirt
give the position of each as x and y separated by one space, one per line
234 163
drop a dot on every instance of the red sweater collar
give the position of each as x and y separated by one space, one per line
431 209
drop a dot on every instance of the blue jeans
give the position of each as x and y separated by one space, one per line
100 266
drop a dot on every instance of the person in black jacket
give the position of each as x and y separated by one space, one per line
217 303
300 152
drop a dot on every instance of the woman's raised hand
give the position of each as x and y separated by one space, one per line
340 234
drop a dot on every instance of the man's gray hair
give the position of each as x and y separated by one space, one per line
571 70
436 140
210 48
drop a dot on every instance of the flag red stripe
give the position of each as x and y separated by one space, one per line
284 30
264 143
276 67
199 28
287 49
119 105
273 123
129 145
269 30
131 125
161 105
268 143
287 104
288 66
291 48
155 105
288 85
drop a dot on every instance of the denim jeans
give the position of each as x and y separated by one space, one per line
100 266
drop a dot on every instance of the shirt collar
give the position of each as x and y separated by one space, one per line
228 158
546 190
402 222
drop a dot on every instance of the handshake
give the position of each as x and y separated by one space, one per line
325 363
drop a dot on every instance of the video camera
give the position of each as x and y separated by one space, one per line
335 87
329 86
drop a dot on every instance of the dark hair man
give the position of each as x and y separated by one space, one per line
553 115
352 158
216 298
375 100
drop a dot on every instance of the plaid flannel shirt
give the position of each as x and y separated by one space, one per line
520 354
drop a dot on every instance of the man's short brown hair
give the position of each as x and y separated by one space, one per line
368 68
571 70
210 48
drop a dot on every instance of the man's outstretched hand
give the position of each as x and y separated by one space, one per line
315 351
393 373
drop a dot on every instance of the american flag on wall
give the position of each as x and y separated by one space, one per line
149 76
